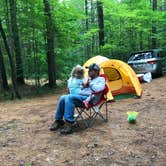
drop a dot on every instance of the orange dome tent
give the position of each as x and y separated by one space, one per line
121 79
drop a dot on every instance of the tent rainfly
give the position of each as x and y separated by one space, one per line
120 77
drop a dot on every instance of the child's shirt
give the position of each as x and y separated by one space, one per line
74 85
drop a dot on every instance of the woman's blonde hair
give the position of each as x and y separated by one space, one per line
78 72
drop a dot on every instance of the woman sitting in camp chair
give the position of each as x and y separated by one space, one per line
68 103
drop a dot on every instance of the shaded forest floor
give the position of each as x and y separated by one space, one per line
25 139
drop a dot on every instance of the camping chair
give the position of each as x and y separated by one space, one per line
99 109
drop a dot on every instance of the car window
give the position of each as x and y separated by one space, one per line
139 56
147 55
134 57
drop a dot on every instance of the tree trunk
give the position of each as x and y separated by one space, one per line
8 25
36 64
12 67
94 42
50 44
87 28
154 29
3 72
15 34
101 22
164 28
141 40
132 42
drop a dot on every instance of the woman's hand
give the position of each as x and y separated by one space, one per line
86 84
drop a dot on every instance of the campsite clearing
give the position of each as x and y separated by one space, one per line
25 139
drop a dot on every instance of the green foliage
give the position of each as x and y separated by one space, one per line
127 27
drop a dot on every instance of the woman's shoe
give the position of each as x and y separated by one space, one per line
57 124
68 128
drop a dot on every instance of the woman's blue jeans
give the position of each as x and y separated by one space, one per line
66 106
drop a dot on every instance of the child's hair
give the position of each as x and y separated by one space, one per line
78 72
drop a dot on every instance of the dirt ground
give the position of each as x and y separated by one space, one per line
26 141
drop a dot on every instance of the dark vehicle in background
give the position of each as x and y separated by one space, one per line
146 61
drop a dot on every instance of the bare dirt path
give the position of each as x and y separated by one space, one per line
25 139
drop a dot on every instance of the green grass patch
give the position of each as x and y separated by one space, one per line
124 96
